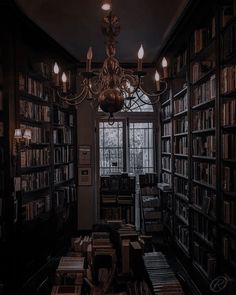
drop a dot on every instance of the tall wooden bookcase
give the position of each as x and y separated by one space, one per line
38 201
198 116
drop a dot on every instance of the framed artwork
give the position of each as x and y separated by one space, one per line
85 176
85 155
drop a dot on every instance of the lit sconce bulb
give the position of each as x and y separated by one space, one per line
63 77
140 57
64 80
89 59
106 5
164 65
56 68
90 53
18 134
157 79
27 134
141 52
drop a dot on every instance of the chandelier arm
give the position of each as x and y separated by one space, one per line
158 93
81 96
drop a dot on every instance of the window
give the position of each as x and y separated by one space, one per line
128 144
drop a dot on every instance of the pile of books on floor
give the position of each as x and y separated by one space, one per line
161 277
69 276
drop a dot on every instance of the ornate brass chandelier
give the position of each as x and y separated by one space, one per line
113 88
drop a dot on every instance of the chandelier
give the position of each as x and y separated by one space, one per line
112 88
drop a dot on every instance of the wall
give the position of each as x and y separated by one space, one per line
86 194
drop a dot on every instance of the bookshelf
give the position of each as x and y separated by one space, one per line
150 203
40 178
117 197
199 212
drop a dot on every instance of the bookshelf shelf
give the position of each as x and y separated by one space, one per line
204 78
182 197
203 105
181 113
199 210
204 184
204 52
183 248
180 175
204 158
182 219
229 229
181 155
181 134
166 154
210 130
206 242
180 93
229 127
202 272
229 194
166 170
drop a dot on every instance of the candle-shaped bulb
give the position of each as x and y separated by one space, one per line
90 53
64 80
164 65
157 79
141 52
106 5
63 77
56 68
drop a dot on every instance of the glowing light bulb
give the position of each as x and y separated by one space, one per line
63 77
56 68
157 76
106 6
164 62
141 52
90 53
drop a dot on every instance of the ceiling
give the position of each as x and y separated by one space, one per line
75 24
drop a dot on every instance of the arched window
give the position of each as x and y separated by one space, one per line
128 144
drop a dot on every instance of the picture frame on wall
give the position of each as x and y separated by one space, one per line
85 155
85 176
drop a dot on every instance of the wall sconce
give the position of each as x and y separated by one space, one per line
23 136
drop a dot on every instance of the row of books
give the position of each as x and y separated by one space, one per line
182 234
181 104
205 259
181 145
204 227
229 249
228 181
229 113
62 135
181 125
166 178
166 163
33 111
121 213
199 70
152 214
120 184
204 119
34 181
204 146
161 275
64 173
181 210
228 79
31 86
117 199
203 36
204 199
229 213
34 157
204 92
38 135
166 145
33 209
181 166
179 63
151 202
205 173
181 186
64 195
44 69
63 117
167 129
63 154
229 143
229 41
166 111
